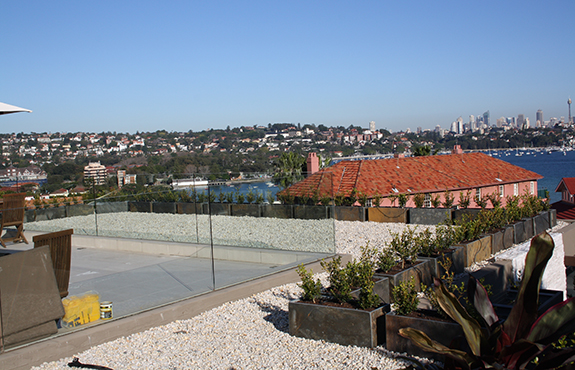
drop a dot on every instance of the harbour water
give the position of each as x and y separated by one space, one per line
552 166
259 187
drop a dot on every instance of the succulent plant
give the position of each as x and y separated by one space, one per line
523 341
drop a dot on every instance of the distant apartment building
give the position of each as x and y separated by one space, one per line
125 179
97 172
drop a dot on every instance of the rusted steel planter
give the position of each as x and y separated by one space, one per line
421 272
345 326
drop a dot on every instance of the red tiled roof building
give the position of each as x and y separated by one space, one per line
566 206
432 175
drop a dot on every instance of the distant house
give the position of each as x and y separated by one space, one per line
476 174
566 206
60 193
567 188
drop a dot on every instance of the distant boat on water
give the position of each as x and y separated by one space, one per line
189 183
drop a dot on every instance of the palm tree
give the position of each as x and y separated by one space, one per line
289 169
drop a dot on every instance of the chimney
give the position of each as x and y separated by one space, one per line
457 150
312 164
399 155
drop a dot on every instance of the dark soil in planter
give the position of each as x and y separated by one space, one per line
429 315
397 268
353 304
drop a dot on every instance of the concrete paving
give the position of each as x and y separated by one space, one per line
134 282
151 289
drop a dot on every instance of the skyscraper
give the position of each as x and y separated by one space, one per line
569 102
372 126
520 121
539 117
486 118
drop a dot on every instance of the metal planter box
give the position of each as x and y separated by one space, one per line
222 209
429 216
477 250
421 272
252 210
440 331
502 239
503 303
457 256
345 326
311 212
528 225
137 206
350 213
387 214
541 223
277 210
380 287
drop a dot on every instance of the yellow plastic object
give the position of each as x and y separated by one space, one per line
81 309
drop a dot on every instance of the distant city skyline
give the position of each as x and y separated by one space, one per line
180 66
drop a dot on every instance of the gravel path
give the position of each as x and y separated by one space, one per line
251 333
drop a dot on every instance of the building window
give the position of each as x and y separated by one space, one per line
478 193
427 201
501 191
515 189
369 203
532 187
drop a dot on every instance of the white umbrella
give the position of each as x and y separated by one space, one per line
7 108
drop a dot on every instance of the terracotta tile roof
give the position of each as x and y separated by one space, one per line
565 210
413 174
566 183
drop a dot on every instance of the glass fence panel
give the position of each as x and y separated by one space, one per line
142 247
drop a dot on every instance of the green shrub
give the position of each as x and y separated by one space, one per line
311 288
404 297
448 199
340 287
419 199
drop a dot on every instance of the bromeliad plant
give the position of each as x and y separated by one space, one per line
523 341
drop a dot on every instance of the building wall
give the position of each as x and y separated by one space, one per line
508 190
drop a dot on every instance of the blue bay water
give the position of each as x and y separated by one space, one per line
551 166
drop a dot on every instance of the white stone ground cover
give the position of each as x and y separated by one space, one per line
251 333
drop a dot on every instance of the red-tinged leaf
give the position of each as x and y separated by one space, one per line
423 341
524 312
555 322
519 353
478 296
455 310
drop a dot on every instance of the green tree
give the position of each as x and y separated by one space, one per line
289 169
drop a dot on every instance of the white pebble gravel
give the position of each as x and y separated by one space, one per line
255 232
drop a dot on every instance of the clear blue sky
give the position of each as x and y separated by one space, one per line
130 66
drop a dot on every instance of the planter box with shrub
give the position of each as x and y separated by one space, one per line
189 208
277 210
429 216
441 330
311 212
350 213
223 209
421 271
345 326
477 250
252 210
138 206
387 214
